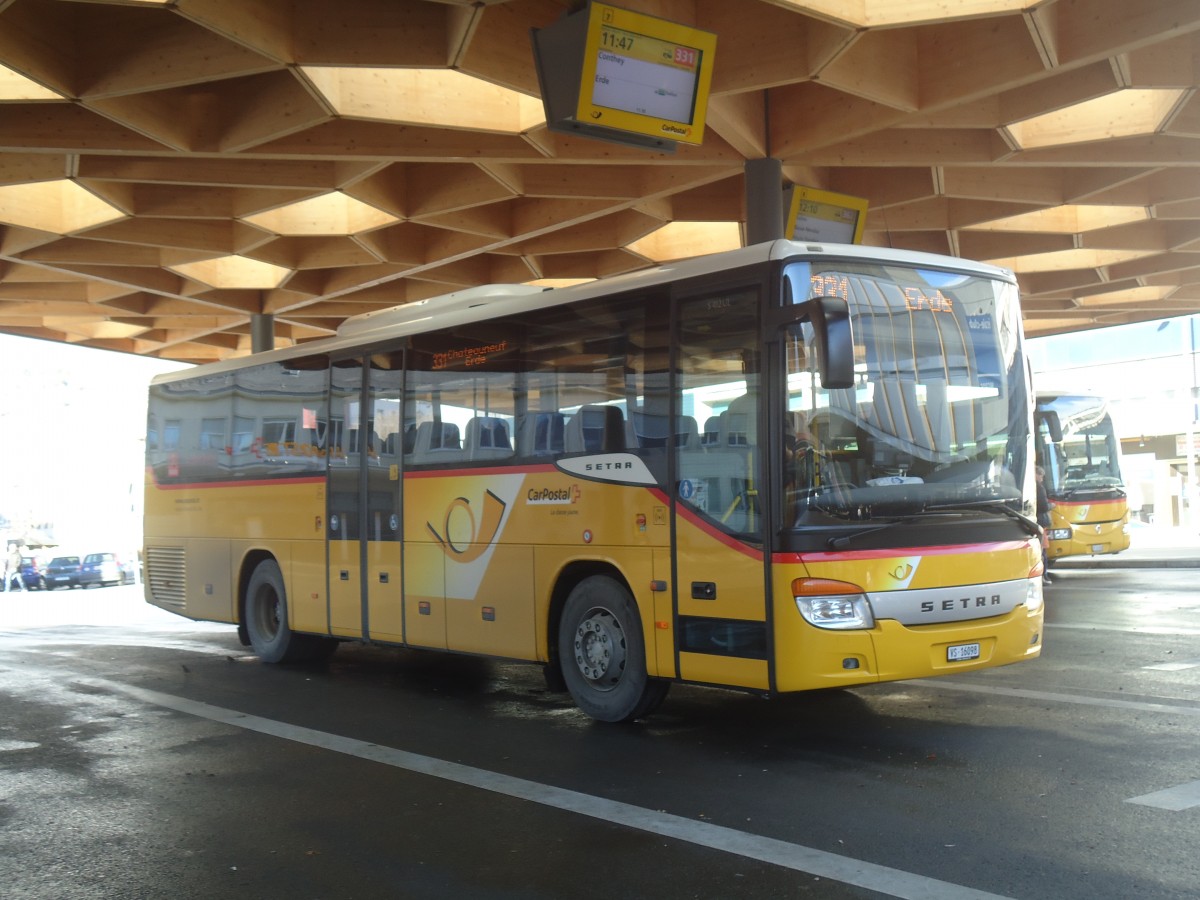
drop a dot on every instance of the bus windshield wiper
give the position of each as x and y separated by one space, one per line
842 541
997 505
1090 488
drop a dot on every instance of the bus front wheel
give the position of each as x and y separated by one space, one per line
603 655
266 618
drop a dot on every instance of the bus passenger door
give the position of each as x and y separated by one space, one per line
720 584
344 526
384 442
365 590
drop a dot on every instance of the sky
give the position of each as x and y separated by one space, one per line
73 421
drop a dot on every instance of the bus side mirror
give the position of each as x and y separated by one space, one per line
830 318
1053 425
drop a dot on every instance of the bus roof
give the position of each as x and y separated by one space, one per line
493 301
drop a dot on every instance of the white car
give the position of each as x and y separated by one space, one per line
100 568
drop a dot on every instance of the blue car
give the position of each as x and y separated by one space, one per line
33 573
63 571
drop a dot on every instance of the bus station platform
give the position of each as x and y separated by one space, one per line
1150 547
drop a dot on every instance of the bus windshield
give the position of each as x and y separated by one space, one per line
1088 457
938 417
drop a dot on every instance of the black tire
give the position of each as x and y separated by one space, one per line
603 655
552 673
266 619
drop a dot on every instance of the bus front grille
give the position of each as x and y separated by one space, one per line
166 571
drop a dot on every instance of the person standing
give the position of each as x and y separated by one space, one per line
1043 519
12 568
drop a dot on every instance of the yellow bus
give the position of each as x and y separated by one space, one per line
1080 453
782 468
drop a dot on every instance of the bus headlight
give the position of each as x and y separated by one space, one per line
1033 593
1060 534
832 604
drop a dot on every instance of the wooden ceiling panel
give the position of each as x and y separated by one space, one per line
497 47
782 47
22 168
189 117
150 49
881 66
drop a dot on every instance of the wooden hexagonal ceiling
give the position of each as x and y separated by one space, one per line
170 168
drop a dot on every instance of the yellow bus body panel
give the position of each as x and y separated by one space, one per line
385 591
501 541
1096 528
424 596
736 571
808 657
218 526
726 670
484 552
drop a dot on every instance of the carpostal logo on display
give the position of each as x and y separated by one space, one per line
545 496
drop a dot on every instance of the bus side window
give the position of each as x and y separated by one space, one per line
436 442
650 431
487 438
596 429
543 434
687 433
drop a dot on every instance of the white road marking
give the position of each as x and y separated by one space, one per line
1176 799
1175 666
1127 629
885 880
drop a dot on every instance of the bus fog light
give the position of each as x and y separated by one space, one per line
1060 534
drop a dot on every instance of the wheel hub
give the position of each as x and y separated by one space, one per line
600 649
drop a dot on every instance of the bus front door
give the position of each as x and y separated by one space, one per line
365 587
720 598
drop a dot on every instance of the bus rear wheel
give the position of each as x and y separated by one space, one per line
266 618
603 655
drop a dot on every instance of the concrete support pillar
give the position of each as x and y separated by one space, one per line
262 332
764 200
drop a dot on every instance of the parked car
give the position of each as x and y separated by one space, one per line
33 572
100 568
63 571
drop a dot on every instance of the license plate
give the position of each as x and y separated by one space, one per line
1097 548
959 652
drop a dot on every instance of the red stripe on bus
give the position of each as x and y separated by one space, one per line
476 471
717 534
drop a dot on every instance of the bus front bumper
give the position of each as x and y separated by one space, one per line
893 652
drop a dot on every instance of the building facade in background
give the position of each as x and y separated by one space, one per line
1148 372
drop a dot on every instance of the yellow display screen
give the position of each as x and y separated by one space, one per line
645 75
824 216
